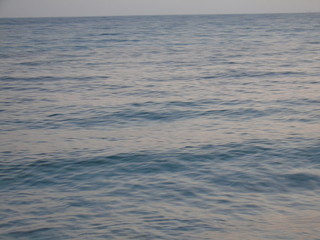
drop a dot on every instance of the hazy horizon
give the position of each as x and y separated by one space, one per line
146 15
85 8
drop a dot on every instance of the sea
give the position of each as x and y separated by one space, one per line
187 127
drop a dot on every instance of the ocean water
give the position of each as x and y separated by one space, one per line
160 127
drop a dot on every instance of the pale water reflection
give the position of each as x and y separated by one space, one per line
172 127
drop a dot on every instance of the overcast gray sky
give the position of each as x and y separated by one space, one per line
55 8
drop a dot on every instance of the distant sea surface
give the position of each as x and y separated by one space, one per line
160 127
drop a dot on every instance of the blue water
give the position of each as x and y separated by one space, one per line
160 127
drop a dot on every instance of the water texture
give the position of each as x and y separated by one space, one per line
160 127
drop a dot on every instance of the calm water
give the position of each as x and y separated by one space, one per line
167 127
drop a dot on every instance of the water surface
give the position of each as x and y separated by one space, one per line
160 127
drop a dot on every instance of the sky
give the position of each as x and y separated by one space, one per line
60 8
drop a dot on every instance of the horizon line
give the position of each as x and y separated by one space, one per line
150 15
